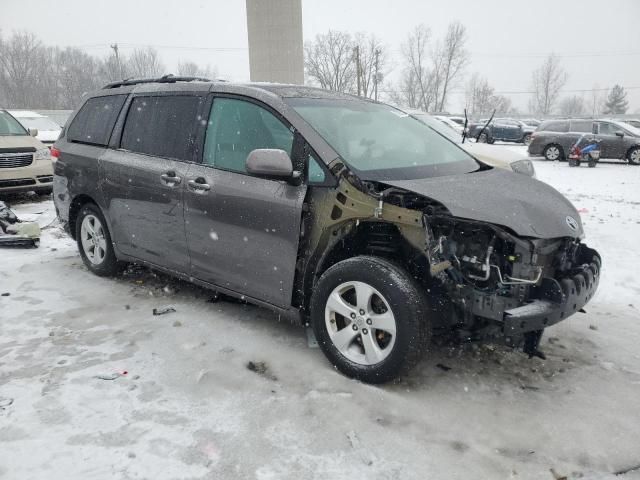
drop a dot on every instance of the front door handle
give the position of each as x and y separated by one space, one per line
199 185
170 178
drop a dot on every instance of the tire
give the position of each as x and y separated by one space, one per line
483 138
633 156
96 249
573 162
526 139
592 164
45 191
552 152
351 342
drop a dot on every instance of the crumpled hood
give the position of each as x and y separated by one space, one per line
527 206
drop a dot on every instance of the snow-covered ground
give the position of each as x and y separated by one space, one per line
93 385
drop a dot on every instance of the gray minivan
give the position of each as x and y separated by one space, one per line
337 212
553 139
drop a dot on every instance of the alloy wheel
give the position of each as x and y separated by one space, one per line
553 153
93 239
360 323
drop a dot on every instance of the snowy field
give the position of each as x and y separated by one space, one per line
93 385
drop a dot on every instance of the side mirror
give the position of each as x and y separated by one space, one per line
33 132
619 133
270 163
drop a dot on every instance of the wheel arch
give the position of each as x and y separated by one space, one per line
76 205
629 150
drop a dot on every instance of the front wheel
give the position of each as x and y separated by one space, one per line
370 318
483 138
526 139
634 156
94 242
552 153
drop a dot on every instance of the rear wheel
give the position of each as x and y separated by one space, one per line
634 156
552 152
94 242
370 318
526 139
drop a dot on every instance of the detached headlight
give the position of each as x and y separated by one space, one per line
42 154
524 167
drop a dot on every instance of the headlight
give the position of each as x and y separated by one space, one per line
42 154
525 167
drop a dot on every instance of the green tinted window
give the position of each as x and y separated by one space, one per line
315 174
237 127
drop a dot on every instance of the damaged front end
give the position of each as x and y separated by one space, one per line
486 281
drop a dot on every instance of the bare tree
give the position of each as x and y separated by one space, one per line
417 79
548 80
329 61
481 100
77 74
145 63
450 58
25 64
373 63
572 106
478 96
192 69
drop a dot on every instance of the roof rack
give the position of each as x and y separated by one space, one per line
164 79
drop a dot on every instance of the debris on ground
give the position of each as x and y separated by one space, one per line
111 376
163 310
5 294
177 323
593 327
443 367
262 369
15 233
5 402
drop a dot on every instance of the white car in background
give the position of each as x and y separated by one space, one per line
450 123
494 155
48 130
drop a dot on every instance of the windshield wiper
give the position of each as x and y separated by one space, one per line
485 125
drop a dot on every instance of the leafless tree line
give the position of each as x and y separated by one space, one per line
33 75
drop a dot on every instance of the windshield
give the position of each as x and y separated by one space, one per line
41 123
10 126
380 142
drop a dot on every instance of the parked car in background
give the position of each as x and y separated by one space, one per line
450 123
501 129
334 211
532 122
25 162
490 154
633 122
48 130
618 140
459 120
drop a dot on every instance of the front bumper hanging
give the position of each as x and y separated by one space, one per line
558 299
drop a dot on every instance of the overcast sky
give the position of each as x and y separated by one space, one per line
599 41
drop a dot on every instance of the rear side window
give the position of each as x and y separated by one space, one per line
94 122
554 127
582 126
163 126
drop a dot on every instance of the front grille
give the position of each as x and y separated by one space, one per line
15 160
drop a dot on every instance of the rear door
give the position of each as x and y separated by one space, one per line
144 177
243 231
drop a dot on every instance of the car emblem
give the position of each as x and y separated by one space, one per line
572 222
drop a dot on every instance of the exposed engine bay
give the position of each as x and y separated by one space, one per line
490 282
